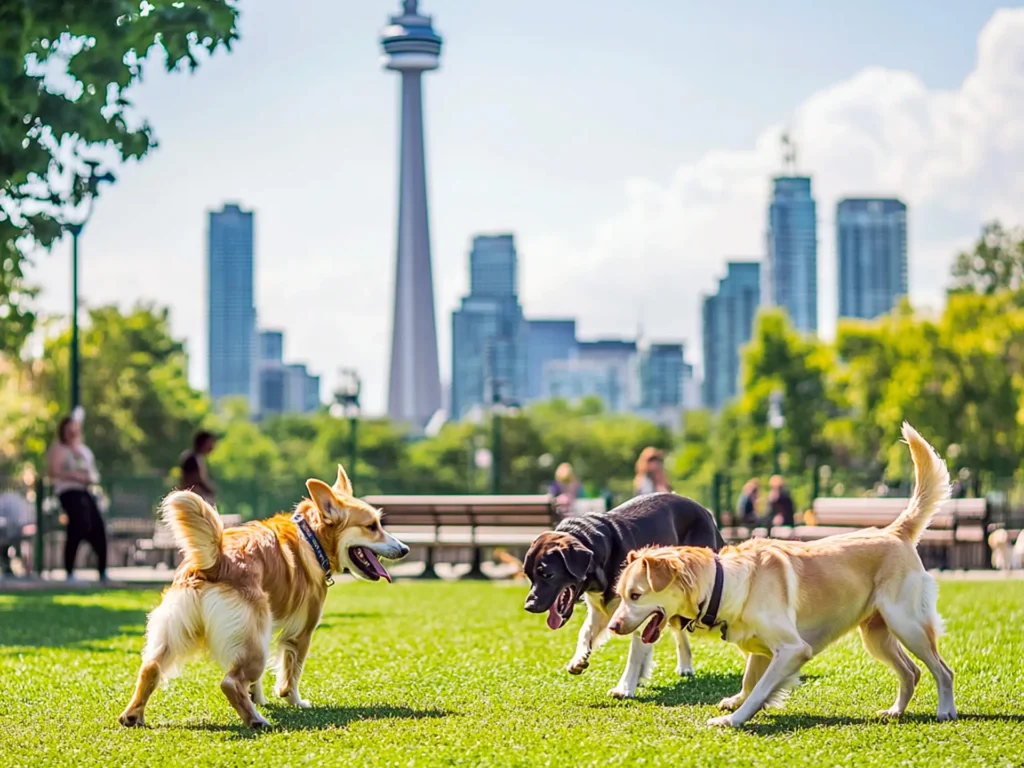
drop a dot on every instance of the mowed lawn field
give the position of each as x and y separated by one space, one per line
420 673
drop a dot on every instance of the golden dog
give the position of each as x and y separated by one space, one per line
783 602
236 587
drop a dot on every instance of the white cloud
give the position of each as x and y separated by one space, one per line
955 157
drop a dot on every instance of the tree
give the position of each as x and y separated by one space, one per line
996 263
66 70
141 411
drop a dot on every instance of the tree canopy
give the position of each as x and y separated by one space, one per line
66 72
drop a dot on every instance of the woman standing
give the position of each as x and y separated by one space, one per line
72 470
650 473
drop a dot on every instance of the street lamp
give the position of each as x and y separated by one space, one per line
346 403
92 183
776 421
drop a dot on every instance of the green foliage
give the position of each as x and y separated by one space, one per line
996 263
66 71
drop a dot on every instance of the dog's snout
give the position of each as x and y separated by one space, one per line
615 626
402 551
531 604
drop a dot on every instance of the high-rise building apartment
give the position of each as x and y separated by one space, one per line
871 244
662 368
283 387
231 311
412 47
546 340
790 278
728 324
489 334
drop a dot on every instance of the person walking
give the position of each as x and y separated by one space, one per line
192 466
565 489
72 470
746 508
650 473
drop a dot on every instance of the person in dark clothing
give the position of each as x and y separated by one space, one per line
72 469
192 465
780 505
746 509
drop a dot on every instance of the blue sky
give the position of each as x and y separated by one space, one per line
628 146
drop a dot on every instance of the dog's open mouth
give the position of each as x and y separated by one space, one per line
561 610
652 631
367 562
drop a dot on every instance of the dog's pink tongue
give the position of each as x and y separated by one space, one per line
555 620
376 565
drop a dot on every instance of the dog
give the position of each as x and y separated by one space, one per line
236 587
783 602
582 557
1004 556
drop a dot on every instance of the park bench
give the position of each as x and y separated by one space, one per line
955 538
474 523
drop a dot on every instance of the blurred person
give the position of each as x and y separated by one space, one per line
746 508
192 466
72 470
650 473
565 489
781 510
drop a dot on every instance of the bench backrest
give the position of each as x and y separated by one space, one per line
879 512
533 510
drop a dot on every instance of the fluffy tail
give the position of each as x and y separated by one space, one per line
196 527
931 487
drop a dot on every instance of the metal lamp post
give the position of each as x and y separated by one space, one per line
776 421
92 182
346 403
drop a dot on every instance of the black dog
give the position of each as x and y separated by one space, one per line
582 557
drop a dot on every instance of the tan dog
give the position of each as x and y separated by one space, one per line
236 587
783 602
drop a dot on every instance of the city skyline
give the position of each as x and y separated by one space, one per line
631 229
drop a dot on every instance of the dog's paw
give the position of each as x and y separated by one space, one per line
259 722
890 713
724 721
686 671
577 665
949 714
302 703
258 697
731 703
620 692
131 720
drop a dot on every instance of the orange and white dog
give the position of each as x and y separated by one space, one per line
237 587
783 602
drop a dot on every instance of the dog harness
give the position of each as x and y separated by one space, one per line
313 540
708 617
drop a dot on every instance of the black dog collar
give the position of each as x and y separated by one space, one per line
708 617
318 549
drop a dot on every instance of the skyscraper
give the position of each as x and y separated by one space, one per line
546 340
411 47
231 312
790 280
728 323
489 334
661 376
871 243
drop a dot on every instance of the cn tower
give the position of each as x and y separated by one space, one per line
411 47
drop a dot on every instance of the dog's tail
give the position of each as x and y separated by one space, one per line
931 487
196 527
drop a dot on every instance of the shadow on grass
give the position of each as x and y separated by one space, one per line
39 621
790 723
287 718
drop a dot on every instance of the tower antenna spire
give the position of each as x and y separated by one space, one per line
788 154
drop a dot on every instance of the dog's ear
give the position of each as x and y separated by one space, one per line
326 503
633 555
659 573
342 486
578 559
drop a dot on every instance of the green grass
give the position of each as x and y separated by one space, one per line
421 673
